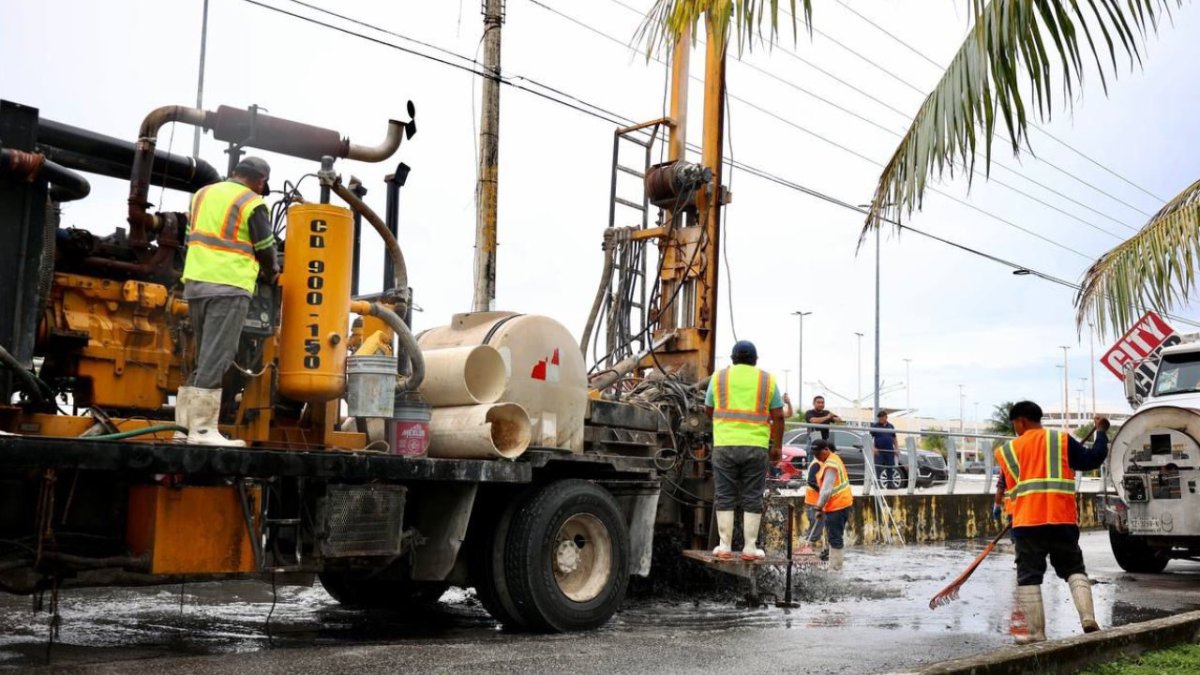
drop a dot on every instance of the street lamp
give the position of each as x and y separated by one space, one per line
878 228
787 380
962 399
907 384
800 359
1066 392
1092 344
1082 404
858 399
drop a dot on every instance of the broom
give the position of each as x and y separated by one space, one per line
951 592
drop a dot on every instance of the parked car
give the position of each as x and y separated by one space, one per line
974 467
931 467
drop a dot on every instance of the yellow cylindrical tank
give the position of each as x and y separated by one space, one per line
316 302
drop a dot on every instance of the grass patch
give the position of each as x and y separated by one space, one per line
1181 660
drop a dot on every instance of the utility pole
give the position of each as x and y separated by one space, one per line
907 384
962 399
1082 407
800 359
200 79
875 414
1066 390
858 398
1092 344
486 188
787 380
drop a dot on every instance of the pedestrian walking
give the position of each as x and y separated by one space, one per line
834 501
747 413
1038 470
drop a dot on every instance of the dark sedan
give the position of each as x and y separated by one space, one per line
931 467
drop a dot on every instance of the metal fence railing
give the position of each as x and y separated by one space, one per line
912 463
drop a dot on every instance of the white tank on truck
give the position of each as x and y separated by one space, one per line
1154 464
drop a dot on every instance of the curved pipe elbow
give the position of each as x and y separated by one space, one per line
378 153
408 343
392 246
169 113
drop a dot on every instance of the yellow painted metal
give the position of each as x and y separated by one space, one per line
257 410
129 358
316 303
191 529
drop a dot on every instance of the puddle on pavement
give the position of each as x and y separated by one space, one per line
881 588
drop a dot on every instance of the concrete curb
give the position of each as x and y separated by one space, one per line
1074 653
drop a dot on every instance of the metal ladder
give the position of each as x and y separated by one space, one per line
643 136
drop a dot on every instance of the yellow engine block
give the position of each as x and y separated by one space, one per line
129 360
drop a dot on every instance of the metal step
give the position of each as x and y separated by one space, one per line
631 171
632 205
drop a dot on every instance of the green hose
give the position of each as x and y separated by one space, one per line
157 428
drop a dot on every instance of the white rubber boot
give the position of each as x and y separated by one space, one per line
182 400
1081 593
750 549
724 550
836 557
204 406
1030 600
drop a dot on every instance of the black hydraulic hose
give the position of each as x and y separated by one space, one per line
389 239
65 185
33 386
144 431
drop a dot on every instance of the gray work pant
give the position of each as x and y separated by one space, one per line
217 325
741 477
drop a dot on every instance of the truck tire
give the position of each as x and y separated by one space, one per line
567 557
486 565
366 589
1135 555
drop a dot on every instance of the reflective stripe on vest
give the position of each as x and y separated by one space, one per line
220 249
842 496
741 416
1039 480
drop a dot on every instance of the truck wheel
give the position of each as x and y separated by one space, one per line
358 588
567 557
487 566
1135 555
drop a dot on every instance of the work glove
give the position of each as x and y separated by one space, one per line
997 512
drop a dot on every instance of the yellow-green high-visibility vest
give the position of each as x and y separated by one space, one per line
741 414
220 250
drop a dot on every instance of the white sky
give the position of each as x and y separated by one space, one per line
960 318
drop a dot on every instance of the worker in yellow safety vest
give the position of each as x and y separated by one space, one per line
747 413
230 244
833 501
1038 469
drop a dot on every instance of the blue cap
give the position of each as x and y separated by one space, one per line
745 348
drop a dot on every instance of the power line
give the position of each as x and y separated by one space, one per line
1034 126
907 117
848 150
611 117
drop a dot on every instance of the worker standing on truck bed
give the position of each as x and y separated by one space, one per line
1039 472
833 502
229 243
747 413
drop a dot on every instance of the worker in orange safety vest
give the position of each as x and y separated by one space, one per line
1038 470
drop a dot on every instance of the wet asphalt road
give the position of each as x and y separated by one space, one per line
872 619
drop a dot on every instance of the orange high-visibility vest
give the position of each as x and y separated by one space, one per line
842 497
1038 479
811 496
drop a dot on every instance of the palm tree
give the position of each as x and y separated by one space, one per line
1014 45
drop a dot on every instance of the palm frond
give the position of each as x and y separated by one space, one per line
1014 45
1154 269
668 20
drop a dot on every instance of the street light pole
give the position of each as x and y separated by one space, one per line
875 414
1082 404
962 398
800 360
858 398
200 78
908 385
1092 344
787 380
1066 390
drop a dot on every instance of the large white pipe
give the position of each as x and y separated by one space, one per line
488 431
458 376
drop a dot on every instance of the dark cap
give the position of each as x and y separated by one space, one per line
744 348
253 165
